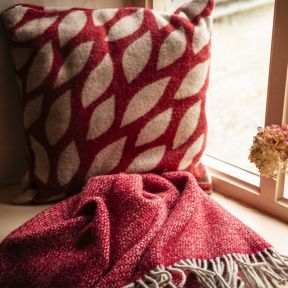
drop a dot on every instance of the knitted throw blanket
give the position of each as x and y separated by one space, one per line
139 231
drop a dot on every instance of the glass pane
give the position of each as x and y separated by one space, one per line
236 100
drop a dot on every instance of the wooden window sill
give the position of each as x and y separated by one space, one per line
271 229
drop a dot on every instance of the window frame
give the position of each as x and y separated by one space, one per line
232 181
152 4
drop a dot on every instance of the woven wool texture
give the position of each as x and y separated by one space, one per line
119 228
109 91
123 91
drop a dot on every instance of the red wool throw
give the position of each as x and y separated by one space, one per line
139 231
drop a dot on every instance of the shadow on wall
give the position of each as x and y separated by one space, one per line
12 146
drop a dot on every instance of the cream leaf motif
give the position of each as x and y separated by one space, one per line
136 56
74 63
41 67
33 28
102 118
126 26
71 25
185 16
201 35
101 17
161 19
24 197
194 81
14 16
107 159
188 125
144 101
147 160
172 48
98 81
68 164
154 128
194 8
192 151
58 119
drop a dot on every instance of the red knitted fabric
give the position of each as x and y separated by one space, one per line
122 226
111 90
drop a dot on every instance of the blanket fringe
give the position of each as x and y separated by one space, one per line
261 270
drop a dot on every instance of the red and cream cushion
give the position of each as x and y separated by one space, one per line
109 91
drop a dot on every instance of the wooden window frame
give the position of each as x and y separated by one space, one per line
240 184
152 4
232 181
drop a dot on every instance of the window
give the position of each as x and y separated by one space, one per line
259 80
239 78
286 187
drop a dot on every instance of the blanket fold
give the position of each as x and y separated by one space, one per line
139 231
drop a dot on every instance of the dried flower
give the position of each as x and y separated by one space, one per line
269 151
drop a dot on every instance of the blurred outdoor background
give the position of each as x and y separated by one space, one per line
236 100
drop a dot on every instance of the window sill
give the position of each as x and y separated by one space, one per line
273 230
244 186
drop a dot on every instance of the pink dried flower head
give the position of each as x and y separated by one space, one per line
269 151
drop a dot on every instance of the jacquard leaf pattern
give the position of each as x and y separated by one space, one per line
107 159
32 111
172 48
154 128
68 164
98 81
14 16
42 62
194 8
33 28
102 118
126 26
138 52
24 197
113 89
183 15
55 9
161 20
41 160
194 81
101 17
74 63
67 31
58 119
144 100
187 125
201 35
192 151
147 160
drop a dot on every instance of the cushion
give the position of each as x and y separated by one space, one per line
109 91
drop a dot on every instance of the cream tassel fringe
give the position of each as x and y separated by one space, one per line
261 270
